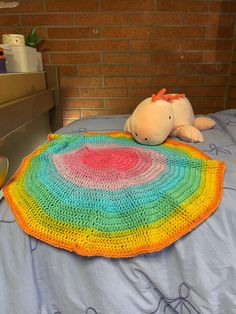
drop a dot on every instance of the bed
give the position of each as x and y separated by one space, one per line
196 274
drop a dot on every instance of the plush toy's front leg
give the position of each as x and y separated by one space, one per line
127 126
188 133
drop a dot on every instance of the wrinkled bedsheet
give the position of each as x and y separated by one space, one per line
197 274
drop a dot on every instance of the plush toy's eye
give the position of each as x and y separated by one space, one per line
169 117
145 139
136 134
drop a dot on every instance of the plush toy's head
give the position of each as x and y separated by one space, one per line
152 120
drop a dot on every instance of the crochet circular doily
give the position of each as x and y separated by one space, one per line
106 195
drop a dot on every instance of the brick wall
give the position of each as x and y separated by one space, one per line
231 86
113 54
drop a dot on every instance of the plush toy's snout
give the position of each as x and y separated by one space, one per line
151 122
149 138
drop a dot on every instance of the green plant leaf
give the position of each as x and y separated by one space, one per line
32 38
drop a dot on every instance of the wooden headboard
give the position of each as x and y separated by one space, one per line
26 121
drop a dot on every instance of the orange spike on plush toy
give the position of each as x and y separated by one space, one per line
159 95
168 97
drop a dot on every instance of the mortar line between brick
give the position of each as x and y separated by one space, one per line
44 6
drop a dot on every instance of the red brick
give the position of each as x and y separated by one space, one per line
208 108
234 56
102 112
231 103
103 92
216 56
223 6
71 6
103 45
70 92
126 81
101 19
85 45
80 81
170 82
68 70
72 113
204 68
26 7
190 80
127 5
232 80
128 104
208 19
206 44
153 69
206 105
9 20
45 58
205 91
106 69
177 81
233 68
182 6
202 102
81 103
7 30
127 32
220 31
73 32
180 32
216 80
128 57
60 45
232 92
155 19
48 19
143 93
75 58
153 44
173 57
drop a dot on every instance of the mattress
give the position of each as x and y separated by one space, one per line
196 274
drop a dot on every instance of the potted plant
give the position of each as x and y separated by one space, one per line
32 39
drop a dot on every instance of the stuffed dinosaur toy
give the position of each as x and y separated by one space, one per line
163 115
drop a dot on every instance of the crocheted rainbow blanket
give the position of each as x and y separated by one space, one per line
106 195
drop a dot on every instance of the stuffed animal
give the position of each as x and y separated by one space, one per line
163 115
